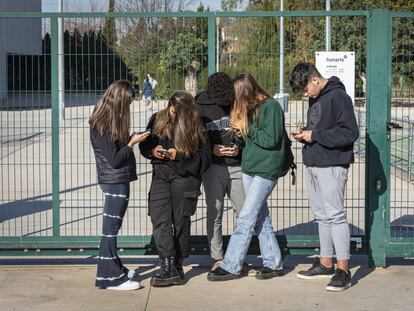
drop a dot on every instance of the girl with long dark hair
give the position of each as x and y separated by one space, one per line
179 152
116 167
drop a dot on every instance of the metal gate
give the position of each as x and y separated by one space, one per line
50 200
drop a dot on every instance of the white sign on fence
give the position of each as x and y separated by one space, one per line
340 64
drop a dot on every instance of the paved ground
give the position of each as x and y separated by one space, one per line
42 285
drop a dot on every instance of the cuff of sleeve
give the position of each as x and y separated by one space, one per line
315 136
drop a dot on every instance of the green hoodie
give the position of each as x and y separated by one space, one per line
264 149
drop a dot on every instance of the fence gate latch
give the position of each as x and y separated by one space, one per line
358 242
392 125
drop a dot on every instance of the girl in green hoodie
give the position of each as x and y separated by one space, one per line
258 121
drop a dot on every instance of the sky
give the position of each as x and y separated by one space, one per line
68 5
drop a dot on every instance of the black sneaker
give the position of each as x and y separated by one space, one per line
220 274
317 271
340 281
267 273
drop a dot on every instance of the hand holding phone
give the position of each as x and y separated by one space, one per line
296 132
162 152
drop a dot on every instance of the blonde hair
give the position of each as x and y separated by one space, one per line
249 97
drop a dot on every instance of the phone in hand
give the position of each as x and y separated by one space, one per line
162 151
231 145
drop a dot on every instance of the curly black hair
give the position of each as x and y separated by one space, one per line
220 88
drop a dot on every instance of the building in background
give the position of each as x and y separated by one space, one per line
18 36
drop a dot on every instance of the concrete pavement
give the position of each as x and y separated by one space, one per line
68 284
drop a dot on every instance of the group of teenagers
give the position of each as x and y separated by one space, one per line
232 139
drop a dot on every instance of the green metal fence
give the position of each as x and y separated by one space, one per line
50 200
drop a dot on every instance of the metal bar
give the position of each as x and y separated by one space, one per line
61 61
378 160
187 14
211 44
410 150
55 125
328 27
402 14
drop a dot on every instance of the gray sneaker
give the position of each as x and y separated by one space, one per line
317 271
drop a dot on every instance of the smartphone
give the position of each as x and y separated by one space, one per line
229 145
163 151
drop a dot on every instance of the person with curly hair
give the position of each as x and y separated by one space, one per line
224 176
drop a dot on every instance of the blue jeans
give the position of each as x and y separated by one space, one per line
254 219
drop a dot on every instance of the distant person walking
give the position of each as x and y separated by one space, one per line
152 80
116 167
147 91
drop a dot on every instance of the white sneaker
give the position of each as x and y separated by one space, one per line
128 285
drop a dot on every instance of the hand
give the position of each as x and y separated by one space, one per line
231 151
218 150
158 154
235 127
137 138
296 132
172 153
305 136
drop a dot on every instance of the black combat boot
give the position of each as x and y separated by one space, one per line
167 275
179 266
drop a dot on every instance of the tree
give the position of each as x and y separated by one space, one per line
109 30
184 54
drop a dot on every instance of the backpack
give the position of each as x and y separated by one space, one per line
289 162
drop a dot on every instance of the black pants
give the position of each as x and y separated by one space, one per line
111 271
172 200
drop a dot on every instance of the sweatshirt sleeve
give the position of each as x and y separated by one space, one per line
114 154
345 132
268 132
198 162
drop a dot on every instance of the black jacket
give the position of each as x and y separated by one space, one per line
216 120
331 119
195 165
115 162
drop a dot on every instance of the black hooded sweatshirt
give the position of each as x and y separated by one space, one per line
331 119
216 120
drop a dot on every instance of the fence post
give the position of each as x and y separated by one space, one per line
377 169
211 44
55 124
410 147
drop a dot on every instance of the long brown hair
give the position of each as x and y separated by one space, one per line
111 114
186 130
249 97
